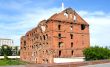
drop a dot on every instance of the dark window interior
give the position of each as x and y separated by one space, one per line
59 27
59 53
71 44
82 26
59 35
71 35
59 44
72 52
44 37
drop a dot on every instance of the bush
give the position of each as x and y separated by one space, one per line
96 53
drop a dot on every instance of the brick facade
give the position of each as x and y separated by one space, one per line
64 35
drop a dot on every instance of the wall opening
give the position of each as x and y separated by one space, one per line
74 18
24 43
59 35
47 36
72 52
71 27
59 27
59 53
65 14
71 44
71 35
44 37
82 26
46 60
60 44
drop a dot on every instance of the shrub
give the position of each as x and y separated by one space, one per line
96 53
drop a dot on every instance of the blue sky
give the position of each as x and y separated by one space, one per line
19 16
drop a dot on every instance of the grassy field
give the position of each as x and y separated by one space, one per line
11 62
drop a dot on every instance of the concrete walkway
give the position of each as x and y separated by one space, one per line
98 65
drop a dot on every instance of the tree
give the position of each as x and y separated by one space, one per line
96 53
6 50
0 51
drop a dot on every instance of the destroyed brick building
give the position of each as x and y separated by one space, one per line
63 35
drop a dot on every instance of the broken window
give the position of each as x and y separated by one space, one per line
59 27
24 43
59 35
44 37
71 35
60 44
82 26
46 60
71 44
65 14
47 36
74 18
59 53
72 52
71 27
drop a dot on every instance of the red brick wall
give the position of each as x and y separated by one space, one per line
42 46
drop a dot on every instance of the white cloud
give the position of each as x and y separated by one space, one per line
99 25
30 20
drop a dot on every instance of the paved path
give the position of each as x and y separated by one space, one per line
98 65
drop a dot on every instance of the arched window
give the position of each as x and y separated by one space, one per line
72 52
71 35
59 35
71 44
59 27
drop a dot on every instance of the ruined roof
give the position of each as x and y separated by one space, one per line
68 16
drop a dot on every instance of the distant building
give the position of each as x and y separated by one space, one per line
10 43
15 50
63 35
4 41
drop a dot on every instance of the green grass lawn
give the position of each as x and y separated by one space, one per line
11 62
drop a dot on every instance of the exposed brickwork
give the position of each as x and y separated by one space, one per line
64 34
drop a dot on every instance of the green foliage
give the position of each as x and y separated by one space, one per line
6 50
96 53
